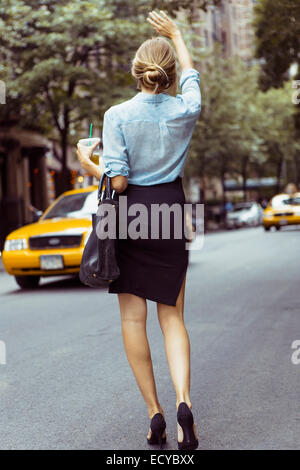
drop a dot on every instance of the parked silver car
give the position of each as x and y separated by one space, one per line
244 214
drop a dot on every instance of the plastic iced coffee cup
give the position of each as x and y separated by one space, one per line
85 146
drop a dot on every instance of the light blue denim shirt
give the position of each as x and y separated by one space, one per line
147 137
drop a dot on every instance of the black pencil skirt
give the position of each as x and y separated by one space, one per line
154 267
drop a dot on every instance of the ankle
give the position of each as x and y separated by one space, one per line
155 409
183 400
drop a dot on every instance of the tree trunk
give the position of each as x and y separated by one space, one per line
65 183
203 199
297 168
244 177
62 182
278 173
222 175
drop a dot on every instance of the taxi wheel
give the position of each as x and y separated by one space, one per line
267 228
27 282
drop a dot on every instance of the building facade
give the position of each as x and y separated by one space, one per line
229 24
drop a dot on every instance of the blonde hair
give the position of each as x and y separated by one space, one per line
154 65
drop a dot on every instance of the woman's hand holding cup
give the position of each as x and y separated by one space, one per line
85 149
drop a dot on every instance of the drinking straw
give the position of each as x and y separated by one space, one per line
91 130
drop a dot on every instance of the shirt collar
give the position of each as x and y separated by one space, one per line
150 97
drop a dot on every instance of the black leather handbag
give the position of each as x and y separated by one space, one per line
99 260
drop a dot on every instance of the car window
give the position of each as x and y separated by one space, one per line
279 200
295 201
80 205
242 207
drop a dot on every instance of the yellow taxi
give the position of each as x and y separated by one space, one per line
53 245
282 210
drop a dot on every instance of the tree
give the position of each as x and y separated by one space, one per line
67 61
277 24
61 55
241 128
172 6
226 140
277 129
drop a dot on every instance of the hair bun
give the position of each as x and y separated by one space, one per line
155 75
152 74
146 69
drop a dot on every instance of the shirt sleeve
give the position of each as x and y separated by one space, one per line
190 90
115 156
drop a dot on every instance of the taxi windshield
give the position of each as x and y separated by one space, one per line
76 206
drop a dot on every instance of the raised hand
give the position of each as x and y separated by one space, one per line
163 24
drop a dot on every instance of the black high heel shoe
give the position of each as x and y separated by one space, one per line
157 426
186 421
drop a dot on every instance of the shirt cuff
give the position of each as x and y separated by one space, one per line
111 172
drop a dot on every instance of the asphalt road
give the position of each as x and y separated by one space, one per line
67 384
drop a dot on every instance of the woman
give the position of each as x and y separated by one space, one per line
145 143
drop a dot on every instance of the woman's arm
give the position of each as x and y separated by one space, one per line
167 27
87 164
119 183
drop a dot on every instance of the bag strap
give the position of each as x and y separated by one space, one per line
107 193
108 189
100 188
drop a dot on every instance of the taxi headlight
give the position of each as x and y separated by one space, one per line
265 216
14 245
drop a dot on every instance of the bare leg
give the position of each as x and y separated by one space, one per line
133 311
177 346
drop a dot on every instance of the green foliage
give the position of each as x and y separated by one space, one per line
65 62
240 127
278 128
171 6
277 24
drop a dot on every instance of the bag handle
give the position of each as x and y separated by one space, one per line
107 193
108 188
100 188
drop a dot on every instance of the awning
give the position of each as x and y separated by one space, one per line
25 137
252 183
